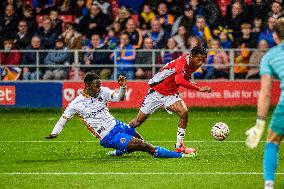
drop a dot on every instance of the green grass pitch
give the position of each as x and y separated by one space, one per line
76 160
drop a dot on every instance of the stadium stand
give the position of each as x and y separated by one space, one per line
240 31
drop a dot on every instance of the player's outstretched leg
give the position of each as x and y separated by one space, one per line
159 152
180 108
118 152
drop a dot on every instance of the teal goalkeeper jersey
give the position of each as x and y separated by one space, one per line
272 63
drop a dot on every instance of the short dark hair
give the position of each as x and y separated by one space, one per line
90 77
198 50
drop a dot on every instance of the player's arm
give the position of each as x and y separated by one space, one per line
179 79
58 127
263 102
119 96
254 134
69 112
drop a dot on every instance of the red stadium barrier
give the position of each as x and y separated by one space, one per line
7 95
224 93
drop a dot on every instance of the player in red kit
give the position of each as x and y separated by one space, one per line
164 91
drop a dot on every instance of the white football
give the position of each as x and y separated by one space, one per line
220 131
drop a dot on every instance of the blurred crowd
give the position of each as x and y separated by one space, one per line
125 26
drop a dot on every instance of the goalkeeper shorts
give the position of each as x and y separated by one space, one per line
277 120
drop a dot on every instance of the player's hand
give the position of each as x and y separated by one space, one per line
51 136
205 89
254 134
122 81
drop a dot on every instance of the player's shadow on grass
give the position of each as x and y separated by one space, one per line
89 160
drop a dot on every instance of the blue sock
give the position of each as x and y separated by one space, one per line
270 160
164 153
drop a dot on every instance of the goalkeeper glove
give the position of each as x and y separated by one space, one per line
254 134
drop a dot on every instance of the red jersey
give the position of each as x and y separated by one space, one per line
173 75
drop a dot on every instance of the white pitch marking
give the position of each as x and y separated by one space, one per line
134 173
89 141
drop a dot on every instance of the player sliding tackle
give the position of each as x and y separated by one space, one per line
91 106
164 91
272 64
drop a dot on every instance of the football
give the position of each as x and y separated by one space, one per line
220 131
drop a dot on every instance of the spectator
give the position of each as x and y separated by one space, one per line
125 57
134 5
22 38
64 6
47 34
257 26
111 40
71 37
193 41
104 6
166 19
123 16
17 4
175 7
235 19
158 34
57 57
146 16
43 7
181 37
218 62
255 58
8 23
27 3
56 23
30 58
244 7
201 30
247 37
135 34
258 9
225 37
9 58
170 53
223 4
267 33
92 57
241 61
31 20
196 6
211 12
94 23
79 11
276 10
117 29
145 57
187 20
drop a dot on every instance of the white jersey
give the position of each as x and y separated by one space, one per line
94 112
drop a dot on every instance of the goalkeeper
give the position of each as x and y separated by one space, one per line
272 64
91 106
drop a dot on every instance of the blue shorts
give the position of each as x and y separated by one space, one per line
118 137
277 120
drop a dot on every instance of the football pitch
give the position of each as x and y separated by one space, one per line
76 160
